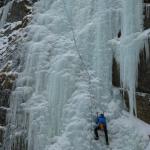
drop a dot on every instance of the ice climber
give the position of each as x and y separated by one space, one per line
101 125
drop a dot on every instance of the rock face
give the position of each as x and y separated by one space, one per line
10 59
15 14
115 74
143 89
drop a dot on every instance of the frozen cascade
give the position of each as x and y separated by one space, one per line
51 103
129 47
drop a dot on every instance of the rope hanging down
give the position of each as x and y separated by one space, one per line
78 52
92 97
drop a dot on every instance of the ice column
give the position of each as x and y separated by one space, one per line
130 46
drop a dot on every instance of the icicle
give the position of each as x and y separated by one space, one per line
131 43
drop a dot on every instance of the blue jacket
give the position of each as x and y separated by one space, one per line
101 120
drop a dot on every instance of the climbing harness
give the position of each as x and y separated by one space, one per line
101 126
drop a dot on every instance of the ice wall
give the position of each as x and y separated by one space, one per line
130 45
52 93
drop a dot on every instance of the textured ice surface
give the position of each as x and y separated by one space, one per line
53 93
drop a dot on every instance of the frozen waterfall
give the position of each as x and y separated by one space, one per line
131 43
51 105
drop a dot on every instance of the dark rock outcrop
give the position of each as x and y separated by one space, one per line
19 10
115 74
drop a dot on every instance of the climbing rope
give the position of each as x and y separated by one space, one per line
92 97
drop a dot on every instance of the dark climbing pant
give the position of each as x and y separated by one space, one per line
105 131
